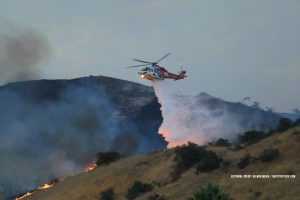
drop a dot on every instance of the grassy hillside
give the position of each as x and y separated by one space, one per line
155 168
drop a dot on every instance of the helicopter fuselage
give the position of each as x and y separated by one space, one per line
159 73
153 71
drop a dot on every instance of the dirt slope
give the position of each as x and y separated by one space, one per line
155 167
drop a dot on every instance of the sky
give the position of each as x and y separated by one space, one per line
231 49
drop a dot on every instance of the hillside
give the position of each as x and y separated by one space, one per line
156 166
132 99
54 128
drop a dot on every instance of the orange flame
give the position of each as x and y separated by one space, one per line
25 195
166 134
45 186
90 167
173 142
51 184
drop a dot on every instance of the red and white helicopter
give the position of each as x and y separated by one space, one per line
155 72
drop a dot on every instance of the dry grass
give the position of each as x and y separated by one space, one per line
155 167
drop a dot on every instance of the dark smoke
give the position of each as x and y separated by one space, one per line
40 141
21 51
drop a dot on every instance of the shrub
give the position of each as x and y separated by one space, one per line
290 172
284 124
191 154
257 194
210 192
222 142
226 164
209 162
244 161
175 174
251 137
188 155
270 133
296 133
297 122
268 155
137 189
237 147
108 194
104 158
156 197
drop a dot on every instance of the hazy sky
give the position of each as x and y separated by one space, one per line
230 49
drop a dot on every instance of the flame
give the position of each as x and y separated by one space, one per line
164 132
90 167
51 184
167 135
143 76
173 141
25 195
45 186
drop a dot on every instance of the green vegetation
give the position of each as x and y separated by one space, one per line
222 142
192 154
210 192
226 164
187 156
104 158
108 194
268 155
209 162
137 189
257 194
284 124
270 133
297 122
237 147
244 161
156 197
250 137
253 136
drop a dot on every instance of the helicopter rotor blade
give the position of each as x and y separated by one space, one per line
142 61
181 69
163 58
137 66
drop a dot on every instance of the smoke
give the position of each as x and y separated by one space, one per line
21 51
40 141
203 118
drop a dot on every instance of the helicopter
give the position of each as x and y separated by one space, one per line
155 72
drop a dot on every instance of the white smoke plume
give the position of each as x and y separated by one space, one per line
202 118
